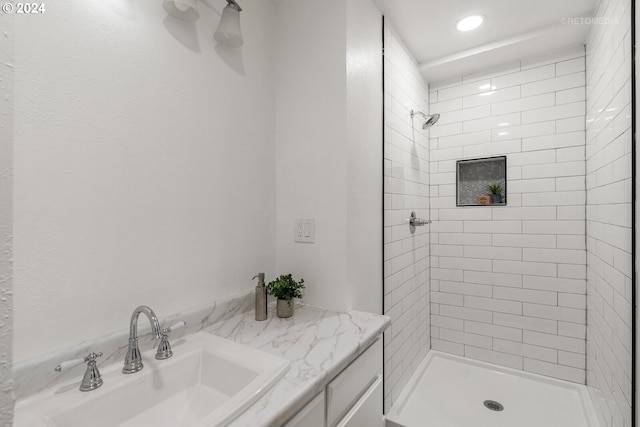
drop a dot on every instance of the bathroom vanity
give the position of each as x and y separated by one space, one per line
333 377
353 398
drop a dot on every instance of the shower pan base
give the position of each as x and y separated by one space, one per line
452 391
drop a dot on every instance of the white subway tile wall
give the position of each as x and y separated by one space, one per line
406 189
608 162
508 283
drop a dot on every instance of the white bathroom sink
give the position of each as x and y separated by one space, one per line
208 382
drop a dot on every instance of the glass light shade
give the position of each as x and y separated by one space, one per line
228 32
184 10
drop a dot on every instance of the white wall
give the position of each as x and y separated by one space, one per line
6 177
144 165
508 282
609 272
406 189
311 136
364 154
328 128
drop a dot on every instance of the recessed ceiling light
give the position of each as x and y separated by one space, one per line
470 23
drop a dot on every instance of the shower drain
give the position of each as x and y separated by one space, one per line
493 405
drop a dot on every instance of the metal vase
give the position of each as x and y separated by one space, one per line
284 308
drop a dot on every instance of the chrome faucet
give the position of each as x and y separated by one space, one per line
92 379
133 360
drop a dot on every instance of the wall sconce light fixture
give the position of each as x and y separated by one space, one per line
184 10
228 32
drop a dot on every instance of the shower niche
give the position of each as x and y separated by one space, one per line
481 182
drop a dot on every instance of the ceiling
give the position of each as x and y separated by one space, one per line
513 30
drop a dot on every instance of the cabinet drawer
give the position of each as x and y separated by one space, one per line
368 410
311 415
352 383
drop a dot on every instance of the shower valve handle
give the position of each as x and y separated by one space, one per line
417 222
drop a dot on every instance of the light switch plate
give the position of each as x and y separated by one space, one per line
305 230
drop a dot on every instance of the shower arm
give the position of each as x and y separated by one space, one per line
413 113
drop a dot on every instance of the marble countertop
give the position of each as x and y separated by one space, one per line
319 343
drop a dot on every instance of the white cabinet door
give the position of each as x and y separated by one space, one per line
368 410
345 389
311 415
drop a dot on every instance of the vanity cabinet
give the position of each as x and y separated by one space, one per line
352 399
311 415
368 409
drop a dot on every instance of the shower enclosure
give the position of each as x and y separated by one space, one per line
543 285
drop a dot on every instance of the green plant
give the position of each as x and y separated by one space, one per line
495 188
286 288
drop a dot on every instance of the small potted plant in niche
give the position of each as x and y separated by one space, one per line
285 288
495 190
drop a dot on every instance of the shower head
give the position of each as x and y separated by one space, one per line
428 120
432 120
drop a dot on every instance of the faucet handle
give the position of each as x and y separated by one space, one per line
414 221
68 364
179 325
164 348
92 379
